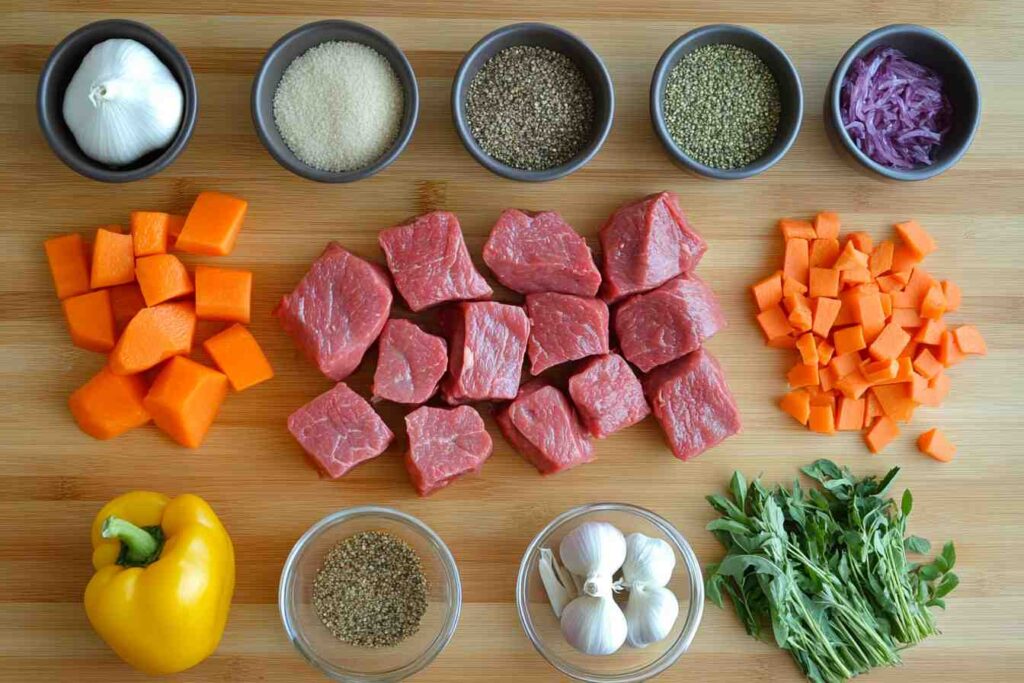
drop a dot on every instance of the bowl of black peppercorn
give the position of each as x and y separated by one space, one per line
790 108
532 102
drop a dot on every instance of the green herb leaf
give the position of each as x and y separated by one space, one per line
946 586
738 488
907 504
916 544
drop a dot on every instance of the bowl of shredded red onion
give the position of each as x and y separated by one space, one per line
904 102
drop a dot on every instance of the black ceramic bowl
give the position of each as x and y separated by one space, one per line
931 49
791 96
552 38
293 45
62 65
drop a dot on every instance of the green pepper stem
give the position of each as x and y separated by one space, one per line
141 546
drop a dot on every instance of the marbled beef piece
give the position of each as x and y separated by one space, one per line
564 327
607 395
668 323
542 426
444 443
429 261
539 252
645 244
692 401
486 345
339 430
410 363
337 310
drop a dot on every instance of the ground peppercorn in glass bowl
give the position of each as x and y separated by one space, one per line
397 568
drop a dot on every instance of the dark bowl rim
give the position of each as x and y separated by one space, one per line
288 160
661 71
832 102
459 87
94 169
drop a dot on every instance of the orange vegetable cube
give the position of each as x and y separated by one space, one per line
855 276
970 341
152 336
891 283
926 365
808 348
239 356
824 252
826 379
149 232
853 385
108 404
862 241
881 434
826 225
880 260
850 257
872 409
69 264
791 287
934 443
162 277
113 258
951 291
822 420
949 351
844 364
917 287
797 404
767 292
904 371
223 294
824 282
90 320
801 318
850 416
904 259
792 228
907 318
916 238
774 323
890 342
185 399
880 370
125 300
886 301
825 312
825 351
212 225
786 342
931 332
867 310
938 390
801 375
849 339
823 397
933 305
796 260
895 400
175 224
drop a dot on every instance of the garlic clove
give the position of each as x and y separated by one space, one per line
651 612
551 575
594 626
649 561
593 549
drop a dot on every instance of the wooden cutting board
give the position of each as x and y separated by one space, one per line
53 479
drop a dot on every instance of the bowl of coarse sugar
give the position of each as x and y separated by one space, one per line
335 101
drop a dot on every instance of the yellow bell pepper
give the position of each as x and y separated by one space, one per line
165 573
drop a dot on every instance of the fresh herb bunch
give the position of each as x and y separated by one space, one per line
827 570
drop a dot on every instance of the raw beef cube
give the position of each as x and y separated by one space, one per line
608 395
444 443
410 363
486 345
337 310
543 427
564 327
668 323
430 263
339 430
693 404
539 252
646 244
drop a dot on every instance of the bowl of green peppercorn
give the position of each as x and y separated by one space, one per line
726 102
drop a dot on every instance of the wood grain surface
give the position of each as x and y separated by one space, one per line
53 478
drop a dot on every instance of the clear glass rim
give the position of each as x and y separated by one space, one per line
298 639
694 611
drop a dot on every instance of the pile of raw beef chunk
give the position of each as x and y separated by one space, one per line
661 313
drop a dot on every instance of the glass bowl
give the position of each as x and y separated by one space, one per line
628 665
342 662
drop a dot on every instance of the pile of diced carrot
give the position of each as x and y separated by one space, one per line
134 300
867 322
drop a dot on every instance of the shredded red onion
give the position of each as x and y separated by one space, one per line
894 109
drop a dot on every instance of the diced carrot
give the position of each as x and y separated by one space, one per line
825 312
239 356
796 260
906 318
951 291
895 400
787 342
917 287
822 420
824 282
847 314
862 241
826 378
801 317
149 232
108 404
872 409
949 351
904 259
909 351
125 300
934 443
867 309
933 305
69 264
926 364
808 348
791 287
853 385
850 416
223 294
904 371
162 277
825 397
886 301
855 276
880 260
212 225
826 225
919 391
185 399
880 370
850 257
824 252
774 322
825 351
970 341
844 364
801 375
891 283
930 332
767 292
881 434
153 336
916 238
797 404
113 259
90 320
938 390
792 228
849 339
175 223
889 343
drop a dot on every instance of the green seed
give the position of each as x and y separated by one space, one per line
722 106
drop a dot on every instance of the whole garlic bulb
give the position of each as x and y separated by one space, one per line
594 625
649 561
595 551
650 614
122 102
